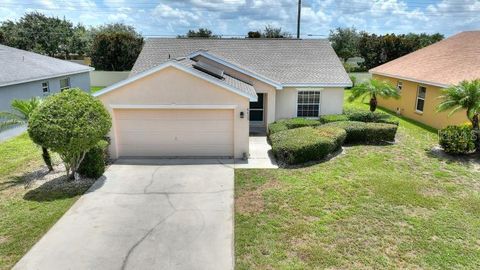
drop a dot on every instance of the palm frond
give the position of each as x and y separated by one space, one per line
10 123
9 116
465 95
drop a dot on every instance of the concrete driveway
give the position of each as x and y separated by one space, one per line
146 214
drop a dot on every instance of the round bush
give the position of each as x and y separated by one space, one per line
93 165
361 132
305 144
457 139
69 123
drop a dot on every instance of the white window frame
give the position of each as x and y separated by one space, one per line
420 98
68 83
319 102
45 87
399 86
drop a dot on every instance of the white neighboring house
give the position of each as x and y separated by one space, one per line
202 97
24 75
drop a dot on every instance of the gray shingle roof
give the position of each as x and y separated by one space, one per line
18 66
240 85
288 61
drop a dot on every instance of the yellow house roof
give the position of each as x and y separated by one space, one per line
444 63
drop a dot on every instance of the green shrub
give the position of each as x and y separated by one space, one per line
367 116
292 123
457 139
305 144
360 132
276 127
333 118
69 123
93 165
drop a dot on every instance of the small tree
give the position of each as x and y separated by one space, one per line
70 123
20 114
373 89
466 96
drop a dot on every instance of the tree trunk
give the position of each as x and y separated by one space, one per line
47 159
373 103
475 121
476 130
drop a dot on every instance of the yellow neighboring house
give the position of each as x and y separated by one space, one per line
420 76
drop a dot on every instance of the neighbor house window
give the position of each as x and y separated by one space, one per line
308 103
45 88
421 92
399 87
64 84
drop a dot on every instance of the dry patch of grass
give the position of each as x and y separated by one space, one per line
251 201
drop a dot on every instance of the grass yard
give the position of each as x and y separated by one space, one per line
371 207
24 221
94 89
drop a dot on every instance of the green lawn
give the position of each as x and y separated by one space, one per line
94 89
24 221
371 207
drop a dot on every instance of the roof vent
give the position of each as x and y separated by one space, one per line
209 69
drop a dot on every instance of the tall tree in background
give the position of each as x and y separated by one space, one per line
200 33
42 34
379 49
269 32
345 42
115 47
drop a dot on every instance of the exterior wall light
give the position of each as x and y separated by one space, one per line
242 115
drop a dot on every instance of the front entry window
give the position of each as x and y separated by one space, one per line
256 109
308 103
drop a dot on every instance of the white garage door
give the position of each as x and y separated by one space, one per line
174 132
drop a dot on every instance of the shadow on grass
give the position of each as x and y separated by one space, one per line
466 160
25 179
61 188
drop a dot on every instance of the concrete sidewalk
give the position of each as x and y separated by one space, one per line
146 214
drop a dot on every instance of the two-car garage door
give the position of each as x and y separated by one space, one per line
174 132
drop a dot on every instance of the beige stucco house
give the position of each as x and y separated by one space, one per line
203 97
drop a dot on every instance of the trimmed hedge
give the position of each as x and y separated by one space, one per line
361 132
333 118
457 139
93 165
300 145
360 116
286 124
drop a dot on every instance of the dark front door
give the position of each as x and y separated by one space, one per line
256 109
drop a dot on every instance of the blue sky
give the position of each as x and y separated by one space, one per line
237 17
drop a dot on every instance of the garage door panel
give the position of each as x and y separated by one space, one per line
178 115
156 126
164 132
174 151
170 137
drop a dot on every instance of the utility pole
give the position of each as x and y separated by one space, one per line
298 17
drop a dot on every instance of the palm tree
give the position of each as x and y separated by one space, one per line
466 96
21 112
373 89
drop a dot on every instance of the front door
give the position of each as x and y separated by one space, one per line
256 110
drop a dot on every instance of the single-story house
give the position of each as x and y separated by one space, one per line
201 97
24 75
421 75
